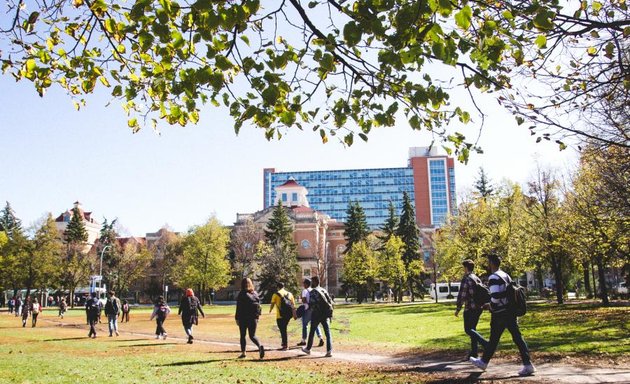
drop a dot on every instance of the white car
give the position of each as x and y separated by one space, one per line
621 289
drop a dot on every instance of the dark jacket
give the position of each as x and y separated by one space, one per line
92 308
247 306
189 308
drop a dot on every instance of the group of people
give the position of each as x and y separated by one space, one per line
502 316
27 308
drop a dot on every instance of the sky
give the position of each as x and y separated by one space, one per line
51 156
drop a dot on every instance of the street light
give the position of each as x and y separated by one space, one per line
100 269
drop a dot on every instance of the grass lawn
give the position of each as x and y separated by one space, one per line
52 353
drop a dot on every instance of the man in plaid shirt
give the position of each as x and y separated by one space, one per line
472 311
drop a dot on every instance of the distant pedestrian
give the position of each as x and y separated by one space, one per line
62 307
11 304
112 310
472 310
50 301
308 312
26 310
35 310
125 312
284 303
248 312
322 306
502 317
161 311
92 309
189 309
18 306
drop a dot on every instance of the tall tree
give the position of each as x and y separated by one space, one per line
15 250
278 259
409 233
42 263
483 185
360 267
330 66
356 227
9 223
390 225
206 265
132 265
77 263
243 242
391 267
168 254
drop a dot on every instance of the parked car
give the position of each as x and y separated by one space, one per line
621 290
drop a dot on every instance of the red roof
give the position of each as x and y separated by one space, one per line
302 209
290 183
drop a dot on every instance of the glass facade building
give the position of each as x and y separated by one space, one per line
429 180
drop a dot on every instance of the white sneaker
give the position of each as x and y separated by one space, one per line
478 363
164 336
527 370
307 351
157 337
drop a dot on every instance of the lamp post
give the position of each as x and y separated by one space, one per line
326 263
100 269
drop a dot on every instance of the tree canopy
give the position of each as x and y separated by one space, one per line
340 68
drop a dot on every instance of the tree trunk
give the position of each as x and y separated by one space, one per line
539 279
602 280
411 295
557 275
594 280
587 280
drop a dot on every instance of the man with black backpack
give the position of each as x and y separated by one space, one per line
284 303
321 304
472 296
112 310
504 315
92 309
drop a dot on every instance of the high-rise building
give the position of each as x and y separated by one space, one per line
428 178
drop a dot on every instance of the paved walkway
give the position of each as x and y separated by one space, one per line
464 371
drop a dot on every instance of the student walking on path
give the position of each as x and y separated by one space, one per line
247 314
36 308
284 303
11 304
189 309
18 306
92 310
161 310
124 318
308 312
112 310
472 310
322 306
26 310
62 307
502 317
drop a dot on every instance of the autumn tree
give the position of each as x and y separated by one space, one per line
360 267
15 250
205 264
77 263
243 242
391 267
41 265
132 265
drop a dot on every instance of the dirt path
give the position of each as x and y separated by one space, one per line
438 370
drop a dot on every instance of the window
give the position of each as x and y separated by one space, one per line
294 197
284 197
454 288
443 289
306 244
306 272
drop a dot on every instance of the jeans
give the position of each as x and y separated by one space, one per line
246 326
159 329
92 322
282 326
498 324
471 319
112 322
306 318
315 321
34 319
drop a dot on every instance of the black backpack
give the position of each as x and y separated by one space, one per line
286 306
94 307
161 312
321 303
516 296
481 293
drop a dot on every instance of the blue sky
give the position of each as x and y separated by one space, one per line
53 155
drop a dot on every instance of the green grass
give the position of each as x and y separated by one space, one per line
54 354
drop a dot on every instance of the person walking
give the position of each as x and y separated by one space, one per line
11 304
62 307
35 310
472 311
161 310
306 317
247 314
284 303
189 309
125 312
322 305
112 310
18 306
502 317
26 310
92 310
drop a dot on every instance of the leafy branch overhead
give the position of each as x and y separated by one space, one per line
340 68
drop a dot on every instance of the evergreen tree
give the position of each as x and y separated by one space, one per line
356 225
278 257
390 225
109 247
483 185
410 235
75 231
9 223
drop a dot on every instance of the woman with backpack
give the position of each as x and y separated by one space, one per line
247 314
284 303
125 312
190 308
35 309
62 307
161 311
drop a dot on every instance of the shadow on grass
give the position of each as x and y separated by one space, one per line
67 338
146 345
187 363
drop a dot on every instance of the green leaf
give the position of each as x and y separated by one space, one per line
592 51
464 17
543 20
541 41
352 34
